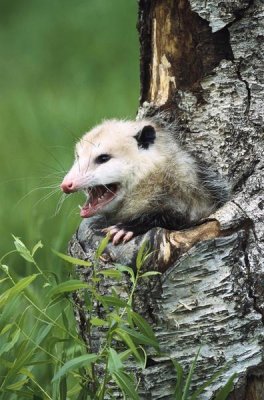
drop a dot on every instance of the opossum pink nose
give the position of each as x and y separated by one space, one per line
68 187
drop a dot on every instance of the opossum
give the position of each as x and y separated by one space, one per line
136 175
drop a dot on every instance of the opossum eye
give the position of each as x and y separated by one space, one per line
102 158
146 137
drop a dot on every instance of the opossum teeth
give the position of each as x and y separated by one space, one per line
98 198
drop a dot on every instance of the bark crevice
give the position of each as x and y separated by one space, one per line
239 74
241 182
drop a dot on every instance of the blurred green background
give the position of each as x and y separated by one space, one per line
64 66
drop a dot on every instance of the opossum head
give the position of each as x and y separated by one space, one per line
109 161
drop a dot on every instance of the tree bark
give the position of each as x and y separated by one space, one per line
202 63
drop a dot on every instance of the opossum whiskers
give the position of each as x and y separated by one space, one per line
58 162
55 188
59 174
47 196
60 202
55 170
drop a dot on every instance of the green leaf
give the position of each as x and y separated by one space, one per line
113 301
18 385
22 394
115 316
140 338
26 372
6 329
68 286
123 268
226 389
42 333
65 320
2 280
63 388
150 273
126 384
84 360
142 254
102 246
8 313
179 384
5 268
37 246
39 362
98 322
16 289
112 273
114 362
72 260
95 280
53 340
144 357
144 327
189 377
22 249
129 342
124 355
9 345
83 394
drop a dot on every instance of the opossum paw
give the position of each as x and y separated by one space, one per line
118 235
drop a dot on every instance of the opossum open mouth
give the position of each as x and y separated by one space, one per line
98 197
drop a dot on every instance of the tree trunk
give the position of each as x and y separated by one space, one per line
202 63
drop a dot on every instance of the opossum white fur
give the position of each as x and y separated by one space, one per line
138 177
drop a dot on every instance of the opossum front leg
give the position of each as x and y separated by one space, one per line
123 232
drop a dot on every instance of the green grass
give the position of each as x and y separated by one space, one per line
64 66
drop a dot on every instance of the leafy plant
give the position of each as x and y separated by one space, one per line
124 333
38 336
44 334
35 336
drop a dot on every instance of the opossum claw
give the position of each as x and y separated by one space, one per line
128 236
111 231
116 234
108 229
123 236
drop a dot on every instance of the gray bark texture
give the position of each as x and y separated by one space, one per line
202 65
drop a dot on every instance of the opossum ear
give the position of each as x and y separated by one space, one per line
146 137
